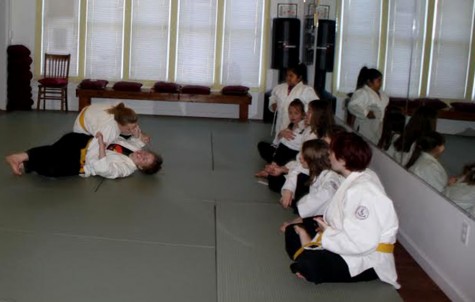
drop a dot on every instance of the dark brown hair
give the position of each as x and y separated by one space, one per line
353 149
155 166
322 117
298 104
123 115
426 143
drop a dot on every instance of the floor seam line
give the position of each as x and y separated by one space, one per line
107 238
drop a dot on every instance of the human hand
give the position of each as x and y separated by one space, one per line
145 138
283 226
287 134
274 107
286 199
322 225
452 180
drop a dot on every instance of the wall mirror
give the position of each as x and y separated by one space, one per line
424 50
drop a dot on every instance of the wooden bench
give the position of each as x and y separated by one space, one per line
243 101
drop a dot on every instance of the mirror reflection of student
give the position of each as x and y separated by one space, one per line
425 160
461 189
368 104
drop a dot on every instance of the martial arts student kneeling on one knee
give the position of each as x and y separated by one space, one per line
355 238
75 154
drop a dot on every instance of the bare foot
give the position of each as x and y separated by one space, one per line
16 162
284 226
262 174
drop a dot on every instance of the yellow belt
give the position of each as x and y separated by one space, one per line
382 247
82 118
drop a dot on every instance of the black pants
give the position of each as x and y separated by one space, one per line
266 151
301 190
280 155
319 266
59 159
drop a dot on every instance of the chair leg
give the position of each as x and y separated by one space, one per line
38 100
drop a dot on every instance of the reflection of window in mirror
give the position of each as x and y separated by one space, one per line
430 82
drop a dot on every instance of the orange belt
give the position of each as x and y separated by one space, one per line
82 159
382 247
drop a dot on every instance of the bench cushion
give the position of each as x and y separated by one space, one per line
433 103
93 84
53 82
463 106
166 87
195 89
127 86
235 90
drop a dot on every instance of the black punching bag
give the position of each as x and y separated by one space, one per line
325 45
285 42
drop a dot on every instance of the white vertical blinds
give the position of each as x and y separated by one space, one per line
104 41
404 48
242 43
149 39
195 56
61 30
359 44
451 42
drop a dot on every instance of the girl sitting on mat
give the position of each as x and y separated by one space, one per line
309 193
287 143
354 240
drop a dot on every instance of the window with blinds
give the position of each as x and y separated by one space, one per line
402 73
61 30
149 39
450 56
359 40
243 38
104 39
155 39
196 41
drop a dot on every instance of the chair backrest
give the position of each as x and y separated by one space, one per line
56 66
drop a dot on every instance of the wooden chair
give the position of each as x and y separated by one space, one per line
54 84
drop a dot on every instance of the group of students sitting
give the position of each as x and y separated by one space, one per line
417 146
106 141
346 226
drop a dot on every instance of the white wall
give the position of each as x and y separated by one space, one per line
430 229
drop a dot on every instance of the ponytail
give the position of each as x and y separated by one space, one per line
426 143
123 115
367 75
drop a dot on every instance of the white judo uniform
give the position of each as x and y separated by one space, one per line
281 96
320 194
295 165
94 118
362 102
431 171
400 156
463 194
294 143
114 164
362 225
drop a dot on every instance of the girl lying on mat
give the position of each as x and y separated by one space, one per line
76 154
354 240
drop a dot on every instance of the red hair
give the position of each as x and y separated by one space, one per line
351 148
